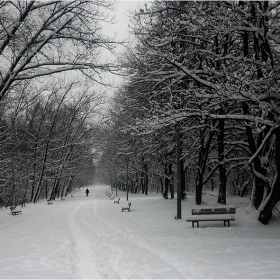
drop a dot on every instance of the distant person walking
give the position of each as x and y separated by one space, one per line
87 191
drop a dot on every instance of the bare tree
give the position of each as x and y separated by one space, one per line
40 38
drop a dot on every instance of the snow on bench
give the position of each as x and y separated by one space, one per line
117 201
215 213
15 212
127 208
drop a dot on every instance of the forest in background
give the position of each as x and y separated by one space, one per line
51 97
200 108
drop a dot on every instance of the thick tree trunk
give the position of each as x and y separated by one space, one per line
179 172
274 196
198 189
222 164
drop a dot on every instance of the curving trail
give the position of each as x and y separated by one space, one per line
145 243
104 249
91 238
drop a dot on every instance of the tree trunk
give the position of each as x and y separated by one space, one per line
212 181
199 174
146 178
202 161
260 184
274 196
171 181
183 181
198 187
179 172
166 183
126 161
222 164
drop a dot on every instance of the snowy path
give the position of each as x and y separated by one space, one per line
106 249
90 237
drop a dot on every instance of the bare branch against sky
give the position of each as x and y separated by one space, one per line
121 30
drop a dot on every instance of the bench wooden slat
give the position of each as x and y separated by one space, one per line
16 212
213 218
218 217
205 211
215 213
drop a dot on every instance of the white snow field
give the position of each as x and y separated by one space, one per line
90 237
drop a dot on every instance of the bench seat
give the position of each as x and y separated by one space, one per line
127 208
117 201
16 212
226 218
231 209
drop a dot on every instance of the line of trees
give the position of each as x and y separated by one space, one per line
48 123
213 69
47 144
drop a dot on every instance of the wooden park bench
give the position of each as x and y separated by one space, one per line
112 197
127 208
107 193
15 212
117 201
218 213
50 202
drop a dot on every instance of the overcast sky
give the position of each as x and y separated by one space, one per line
121 29
122 15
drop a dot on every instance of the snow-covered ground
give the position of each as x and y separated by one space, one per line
90 237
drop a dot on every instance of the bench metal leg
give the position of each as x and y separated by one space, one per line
227 223
197 224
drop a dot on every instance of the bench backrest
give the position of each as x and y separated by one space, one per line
209 211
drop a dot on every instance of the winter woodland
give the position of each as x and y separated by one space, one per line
200 108
198 111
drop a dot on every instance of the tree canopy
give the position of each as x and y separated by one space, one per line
213 68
